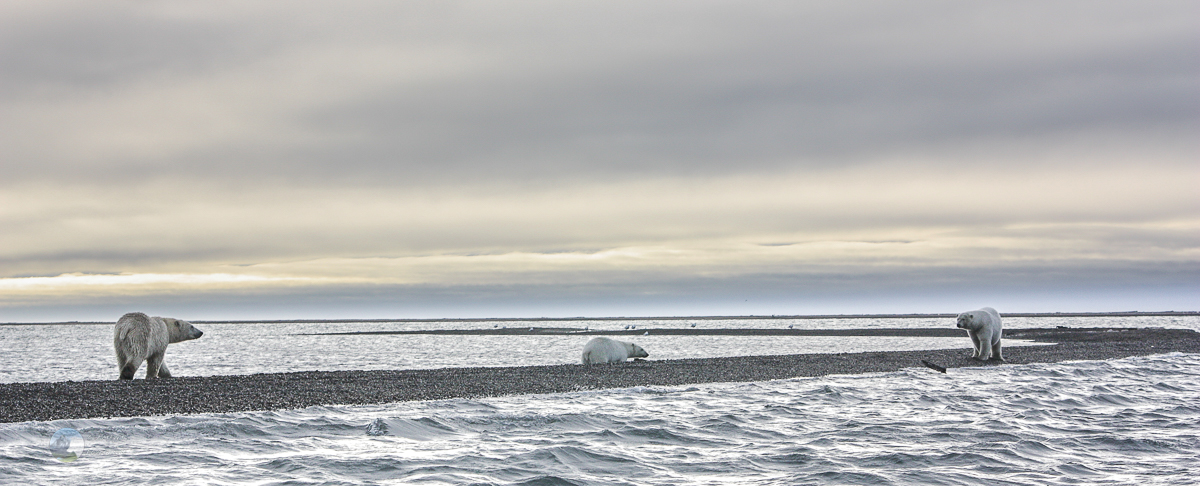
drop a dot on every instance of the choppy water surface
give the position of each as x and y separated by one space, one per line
1126 421
84 352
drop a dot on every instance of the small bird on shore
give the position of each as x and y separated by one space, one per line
647 333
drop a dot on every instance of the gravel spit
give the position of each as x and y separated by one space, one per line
21 402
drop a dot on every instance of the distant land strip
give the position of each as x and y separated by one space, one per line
659 318
570 331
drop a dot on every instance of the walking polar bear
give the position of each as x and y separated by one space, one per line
138 337
983 326
604 350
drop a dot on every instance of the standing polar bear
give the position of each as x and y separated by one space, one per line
139 337
604 350
983 326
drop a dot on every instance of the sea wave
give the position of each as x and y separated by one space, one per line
1124 421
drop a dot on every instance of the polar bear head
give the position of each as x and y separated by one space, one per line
180 330
635 351
972 320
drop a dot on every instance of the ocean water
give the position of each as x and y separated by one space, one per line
1124 421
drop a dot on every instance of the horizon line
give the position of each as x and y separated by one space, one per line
644 318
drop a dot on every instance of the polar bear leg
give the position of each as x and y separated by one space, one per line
128 368
996 351
163 372
153 363
975 343
125 366
985 344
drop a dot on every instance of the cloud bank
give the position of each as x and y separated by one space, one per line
435 159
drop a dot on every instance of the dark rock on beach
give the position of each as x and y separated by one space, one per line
216 394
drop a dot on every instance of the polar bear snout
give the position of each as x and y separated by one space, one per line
196 333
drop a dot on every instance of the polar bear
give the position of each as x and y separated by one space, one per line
138 337
605 350
983 326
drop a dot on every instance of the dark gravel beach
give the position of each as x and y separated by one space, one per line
213 394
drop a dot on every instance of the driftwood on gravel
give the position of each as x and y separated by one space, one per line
271 391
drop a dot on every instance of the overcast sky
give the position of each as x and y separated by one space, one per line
249 160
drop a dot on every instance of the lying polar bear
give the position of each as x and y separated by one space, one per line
605 350
983 326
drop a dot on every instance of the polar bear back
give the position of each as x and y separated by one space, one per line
604 350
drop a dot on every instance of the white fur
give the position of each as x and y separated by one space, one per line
983 326
138 337
604 350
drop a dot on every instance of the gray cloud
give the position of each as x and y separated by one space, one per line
1046 143
592 90
79 50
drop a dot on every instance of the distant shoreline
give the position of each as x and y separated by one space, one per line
43 401
659 318
657 331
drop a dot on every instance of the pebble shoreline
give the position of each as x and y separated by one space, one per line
20 402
